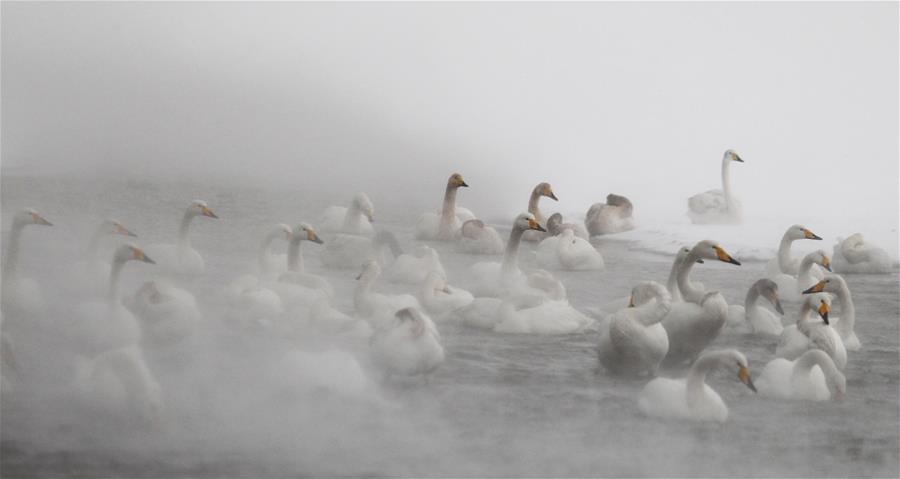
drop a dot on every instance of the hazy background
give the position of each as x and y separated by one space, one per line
639 99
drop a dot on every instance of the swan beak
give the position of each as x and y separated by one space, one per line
312 236
463 184
631 301
209 212
39 220
725 257
700 260
823 312
735 157
778 307
370 216
552 196
816 288
744 376
534 225
810 235
826 263
138 254
121 230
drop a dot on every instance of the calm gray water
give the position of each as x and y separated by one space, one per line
501 405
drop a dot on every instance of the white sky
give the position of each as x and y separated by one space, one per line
639 99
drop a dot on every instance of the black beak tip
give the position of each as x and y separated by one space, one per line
809 290
735 262
700 260
825 318
464 184
779 308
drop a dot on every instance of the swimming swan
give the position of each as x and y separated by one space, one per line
568 252
377 306
717 206
635 342
443 227
477 238
811 334
845 324
540 190
355 219
692 327
691 398
91 275
804 378
409 345
20 295
753 318
614 216
297 288
182 258
496 279
807 275
784 263
247 299
855 255
439 298
556 225
707 249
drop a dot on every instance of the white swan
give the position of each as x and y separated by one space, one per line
103 325
443 226
671 286
569 252
691 398
270 264
717 206
614 216
846 323
118 384
439 298
409 345
556 225
692 327
298 289
413 268
691 291
169 315
808 275
477 238
355 219
496 279
91 275
540 190
20 295
540 314
181 258
855 255
803 378
345 251
784 263
753 318
809 333
635 342
374 305
247 300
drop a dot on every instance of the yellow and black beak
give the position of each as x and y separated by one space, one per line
534 225
370 216
823 311
39 220
138 255
631 301
463 184
121 230
312 236
724 256
744 376
552 196
735 157
777 303
208 212
816 288
810 235
826 263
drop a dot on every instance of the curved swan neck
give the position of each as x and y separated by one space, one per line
12 250
750 300
448 211
784 253
653 311
814 357
688 292
264 250
114 274
696 379
294 258
184 239
805 266
672 282
353 218
511 255
533 202
848 310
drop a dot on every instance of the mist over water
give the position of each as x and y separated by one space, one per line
273 112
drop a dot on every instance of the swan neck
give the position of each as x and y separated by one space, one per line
750 301
12 250
653 311
294 258
726 181
672 282
114 274
533 207
814 357
848 310
688 292
352 218
264 250
184 239
696 380
511 255
448 211
784 254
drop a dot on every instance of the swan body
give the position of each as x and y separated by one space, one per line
568 252
811 334
539 315
409 268
477 238
614 216
168 315
297 288
556 225
497 279
635 342
846 323
376 305
717 206
691 398
119 384
753 318
21 296
803 378
355 219
105 324
540 190
807 275
444 226
439 298
692 327
345 251
409 345
855 255
784 263
671 286
181 258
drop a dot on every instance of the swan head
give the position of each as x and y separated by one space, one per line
472 229
796 232
820 258
30 216
305 232
831 283
363 204
647 290
113 227
554 222
200 208
821 303
769 289
682 254
708 249
527 221
370 271
544 189
456 181
731 155
437 281
281 229
413 316
131 252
